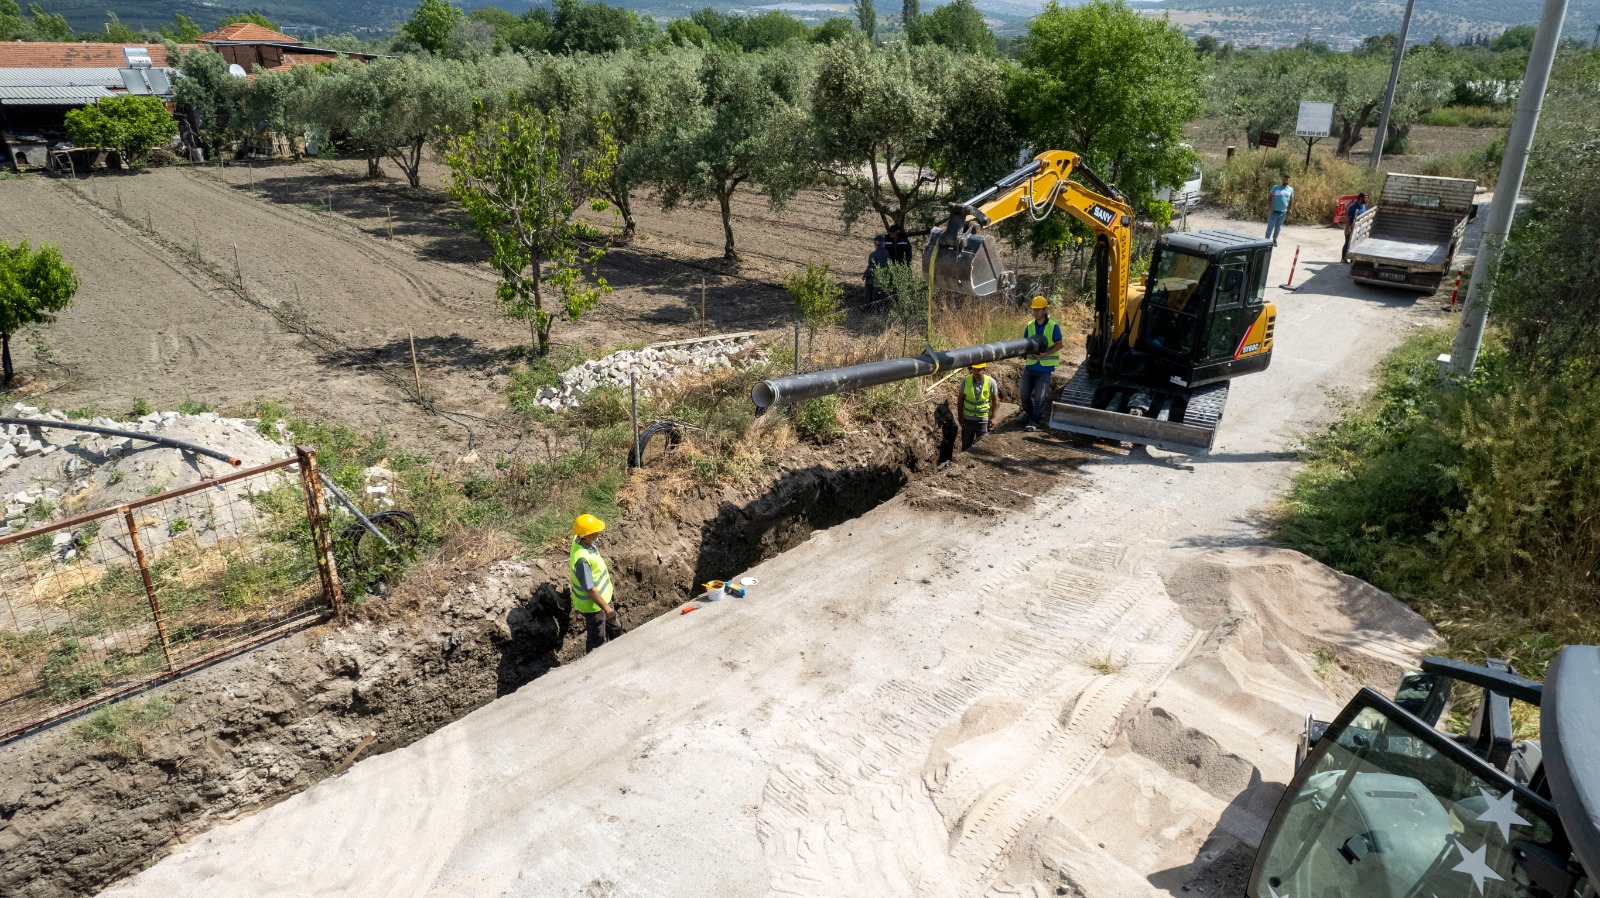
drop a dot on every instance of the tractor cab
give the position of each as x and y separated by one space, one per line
1204 315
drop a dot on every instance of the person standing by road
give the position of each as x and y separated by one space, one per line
1279 204
1041 366
980 402
591 584
1351 213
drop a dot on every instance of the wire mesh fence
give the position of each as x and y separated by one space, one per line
105 602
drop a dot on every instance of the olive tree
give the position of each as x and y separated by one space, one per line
34 285
748 126
523 191
394 107
898 129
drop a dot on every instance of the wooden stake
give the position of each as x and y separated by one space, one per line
149 223
416 370
702 305
388 214
237 271
251 169
330 201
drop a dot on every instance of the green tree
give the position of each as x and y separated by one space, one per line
131 125
747 128
412 99
899 128
34 285
209 96
910 13
251 17
688 33
833 30
817 299
430 24
1517 38
1115 87
867 18
114 32
183 30
1544 298
523 194
49 26
957 25
529 31
589 26
1255 92
12 25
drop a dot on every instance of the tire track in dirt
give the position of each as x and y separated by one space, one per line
1097 614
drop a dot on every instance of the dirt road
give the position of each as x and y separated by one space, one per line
1095 697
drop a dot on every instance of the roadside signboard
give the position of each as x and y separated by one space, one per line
1268 139
1316 120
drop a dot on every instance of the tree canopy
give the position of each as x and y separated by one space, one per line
34 286
1114 86
131 125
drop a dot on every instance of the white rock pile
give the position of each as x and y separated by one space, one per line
654 365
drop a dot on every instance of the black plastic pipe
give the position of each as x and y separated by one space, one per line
130 434
800 387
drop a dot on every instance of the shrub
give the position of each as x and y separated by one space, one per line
817 298
1480 163
131 125
1242 183
1468 117
818 419
141 408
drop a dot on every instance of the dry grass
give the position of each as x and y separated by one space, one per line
1242 184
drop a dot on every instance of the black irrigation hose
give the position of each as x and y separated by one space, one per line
667 427
169 442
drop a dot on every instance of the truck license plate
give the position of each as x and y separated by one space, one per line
1392 276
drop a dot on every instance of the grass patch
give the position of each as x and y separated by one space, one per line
141 408
1472 506
1480 163
193 406
120 726
1241 184
1105 665
1468 117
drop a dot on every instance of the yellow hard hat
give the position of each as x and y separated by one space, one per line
587 525
978 366
1039 302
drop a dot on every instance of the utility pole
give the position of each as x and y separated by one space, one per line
1394 80
1469 335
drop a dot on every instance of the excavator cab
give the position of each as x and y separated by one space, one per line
1204 316
1386 805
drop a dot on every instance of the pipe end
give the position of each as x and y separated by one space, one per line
763 395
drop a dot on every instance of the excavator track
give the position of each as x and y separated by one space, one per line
1194 433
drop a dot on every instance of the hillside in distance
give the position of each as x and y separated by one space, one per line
1265 23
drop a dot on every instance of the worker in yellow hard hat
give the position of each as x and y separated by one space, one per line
1035 393
591 584
980 402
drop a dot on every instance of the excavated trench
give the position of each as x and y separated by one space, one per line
465 627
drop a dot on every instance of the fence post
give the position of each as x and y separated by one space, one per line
317 518
149 587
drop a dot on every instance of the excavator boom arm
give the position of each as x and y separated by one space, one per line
1037 189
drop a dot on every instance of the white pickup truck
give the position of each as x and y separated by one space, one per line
1409 237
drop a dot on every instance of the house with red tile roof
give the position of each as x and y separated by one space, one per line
41 80
249 46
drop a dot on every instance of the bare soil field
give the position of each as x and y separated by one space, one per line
237 284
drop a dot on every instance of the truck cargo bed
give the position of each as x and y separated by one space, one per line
1416 252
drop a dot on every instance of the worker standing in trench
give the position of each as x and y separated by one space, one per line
591 584
979 404
1041 367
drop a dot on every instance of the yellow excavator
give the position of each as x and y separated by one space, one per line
1160 354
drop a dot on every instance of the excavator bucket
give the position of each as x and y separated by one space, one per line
968 264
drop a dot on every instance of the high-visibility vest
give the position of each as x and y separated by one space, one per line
597 569
976 400
1047 332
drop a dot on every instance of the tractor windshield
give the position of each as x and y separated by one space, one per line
1382 811
1175 301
